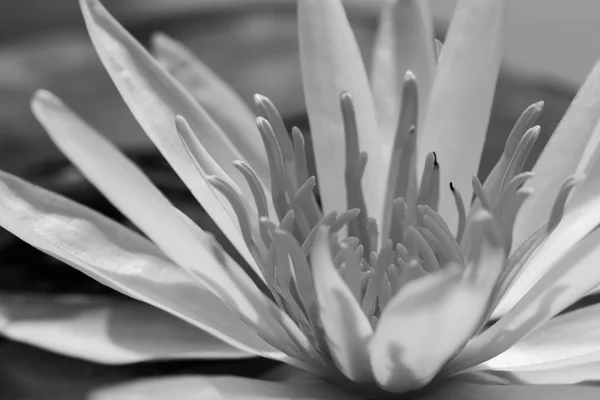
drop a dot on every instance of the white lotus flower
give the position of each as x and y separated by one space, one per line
389 287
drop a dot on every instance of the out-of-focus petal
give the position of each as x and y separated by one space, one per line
106 330
155 98
561 156
332 64
347 329
461 98
127 187
431 318
217 98
404 42
472 391
216 388
123 260
570 278
569 340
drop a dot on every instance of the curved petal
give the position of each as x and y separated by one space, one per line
561 156
124 260
432 318
332 64
472 391
223 387
217 98
570 278
104 330
569 340
125 185
347 329
404 42
461 98
155 98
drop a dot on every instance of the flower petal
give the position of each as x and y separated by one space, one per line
106 330
570 278
472 391
126 186
332 64
123 260
561 156
223 387
461 98
217 98
431 318
404 42
569 340
347 329
155 98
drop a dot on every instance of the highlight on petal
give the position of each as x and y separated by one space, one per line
564 350
404 42
563 154
332 64
104 330
221 387
218 99
461 98
431 318
571 277
124 260
347 329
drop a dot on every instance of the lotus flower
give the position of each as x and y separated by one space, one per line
385 285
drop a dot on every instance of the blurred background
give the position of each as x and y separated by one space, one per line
252 44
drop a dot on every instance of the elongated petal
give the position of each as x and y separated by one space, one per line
561 156
155 98
216 388
124 184
346 327
217 98
431 318
121 259
570 278
473 391
106 331
332 64
567 340
461 98
404 42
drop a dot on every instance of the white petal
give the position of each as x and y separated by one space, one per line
566 342
404 42
332 64
561 156
123 260
216 388
155 98
570 278
432 318
217 98
347 329
106 330
461 98
126 186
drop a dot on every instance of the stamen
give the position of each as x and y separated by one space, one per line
301 204
351 272
385 293
430 261
287 223
439 49
402 251
380 264
462 214
436 245
399 220
313 212
407 273
260 198
355 164
427 181
344 218
279 182
402 158
435 223
481 195
507 219
558 208
308 242
393 277
373 231
521 154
